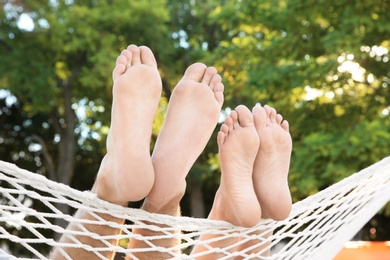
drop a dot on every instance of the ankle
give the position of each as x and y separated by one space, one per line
169 204
171 208
104 191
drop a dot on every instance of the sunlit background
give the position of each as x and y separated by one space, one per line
324 65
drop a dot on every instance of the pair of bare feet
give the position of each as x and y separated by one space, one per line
128 172
254 151
254 147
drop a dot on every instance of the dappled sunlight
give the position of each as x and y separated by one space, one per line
386 111
85 110
324 67
25 22
9 98
160 116
360 82
224 114
313 93
348 65
377 52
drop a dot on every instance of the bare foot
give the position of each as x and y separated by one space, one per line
126 173
235 200
192 115
238 143
272 163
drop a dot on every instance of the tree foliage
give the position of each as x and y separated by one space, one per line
322 64
63 65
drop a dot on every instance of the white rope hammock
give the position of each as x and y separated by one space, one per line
317 227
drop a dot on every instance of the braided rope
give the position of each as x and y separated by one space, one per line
317 227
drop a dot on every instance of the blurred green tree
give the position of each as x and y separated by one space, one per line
61 67
322 64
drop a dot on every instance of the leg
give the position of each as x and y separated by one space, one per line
192 115
136 94
235 200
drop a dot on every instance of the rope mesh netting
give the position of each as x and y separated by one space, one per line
317 227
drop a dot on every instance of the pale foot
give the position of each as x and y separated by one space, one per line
235 200
126 173
238 143
272 163
192 115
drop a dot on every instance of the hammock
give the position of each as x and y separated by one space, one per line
317 227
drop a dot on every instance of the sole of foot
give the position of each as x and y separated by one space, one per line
126 172
192 115
238 143
272 163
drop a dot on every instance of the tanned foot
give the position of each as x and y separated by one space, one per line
192 115
126 172
238 143
272 163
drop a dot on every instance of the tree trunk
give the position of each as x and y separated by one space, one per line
65 169
196 200
67 145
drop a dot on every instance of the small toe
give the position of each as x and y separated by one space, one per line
219 87
218 92
272 116
268 110
279 119
215 80
121 64
229 123
136 54
285 125
208 75
118 70
224 128
234 117
221 138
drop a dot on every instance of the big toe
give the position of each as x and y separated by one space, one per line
147 56
260 117
244 116
195 72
